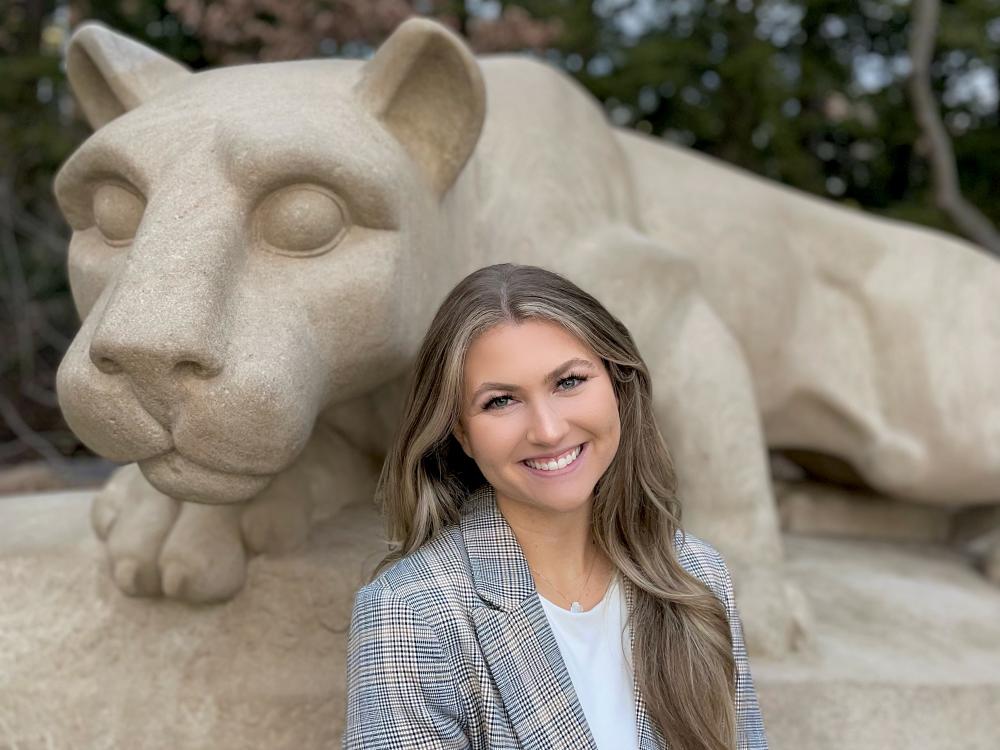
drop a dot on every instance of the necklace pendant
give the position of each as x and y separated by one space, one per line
575 607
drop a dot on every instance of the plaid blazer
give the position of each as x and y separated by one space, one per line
450 648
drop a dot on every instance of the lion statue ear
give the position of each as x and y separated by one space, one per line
426 88
111 73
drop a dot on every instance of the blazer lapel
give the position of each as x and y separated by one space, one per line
518 644
520 648
526 665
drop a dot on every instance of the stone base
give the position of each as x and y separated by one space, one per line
906 652
815 509
84 666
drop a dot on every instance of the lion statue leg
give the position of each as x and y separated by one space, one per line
709 418
707 412
197 552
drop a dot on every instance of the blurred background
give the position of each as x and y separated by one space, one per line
878 104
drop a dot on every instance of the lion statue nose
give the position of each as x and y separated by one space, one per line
158 345
145 360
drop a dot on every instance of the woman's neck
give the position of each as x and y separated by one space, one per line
560 547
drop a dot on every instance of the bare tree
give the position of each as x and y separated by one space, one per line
947 193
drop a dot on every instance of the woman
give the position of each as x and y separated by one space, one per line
529 500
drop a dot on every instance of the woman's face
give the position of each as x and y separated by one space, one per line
521 401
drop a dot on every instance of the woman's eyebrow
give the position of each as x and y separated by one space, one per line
575 362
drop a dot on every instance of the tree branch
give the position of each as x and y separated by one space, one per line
16 295
28 436
947 192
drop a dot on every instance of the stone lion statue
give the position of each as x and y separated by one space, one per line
257 251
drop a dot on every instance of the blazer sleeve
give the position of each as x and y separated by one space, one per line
749 722
400 687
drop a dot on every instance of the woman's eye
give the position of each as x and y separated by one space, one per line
578 378
117 213
301 220
489 404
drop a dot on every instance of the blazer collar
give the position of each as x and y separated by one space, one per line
500 571
518 643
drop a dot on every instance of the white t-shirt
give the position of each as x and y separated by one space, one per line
597 656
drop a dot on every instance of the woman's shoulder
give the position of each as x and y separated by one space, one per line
702 560
432 581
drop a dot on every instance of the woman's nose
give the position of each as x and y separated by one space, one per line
548 425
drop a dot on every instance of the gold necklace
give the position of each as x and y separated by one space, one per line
574 605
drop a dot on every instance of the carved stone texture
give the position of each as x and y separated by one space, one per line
904 650
257 252
85 667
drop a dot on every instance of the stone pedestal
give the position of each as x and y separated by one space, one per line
83 666
906 652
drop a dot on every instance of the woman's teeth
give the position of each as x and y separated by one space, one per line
556 463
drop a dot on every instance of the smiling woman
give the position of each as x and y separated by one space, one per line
539 591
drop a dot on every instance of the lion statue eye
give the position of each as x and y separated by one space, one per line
301 220
117 213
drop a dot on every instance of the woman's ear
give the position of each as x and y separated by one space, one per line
462 439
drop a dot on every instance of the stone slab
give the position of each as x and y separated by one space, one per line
906 650
813 509
84 666
905 653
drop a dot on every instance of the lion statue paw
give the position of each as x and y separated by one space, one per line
776 616
160 546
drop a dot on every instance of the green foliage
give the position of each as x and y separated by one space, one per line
808 92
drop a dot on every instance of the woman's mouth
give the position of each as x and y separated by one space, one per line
558 466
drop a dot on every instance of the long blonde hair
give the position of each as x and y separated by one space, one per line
682 648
